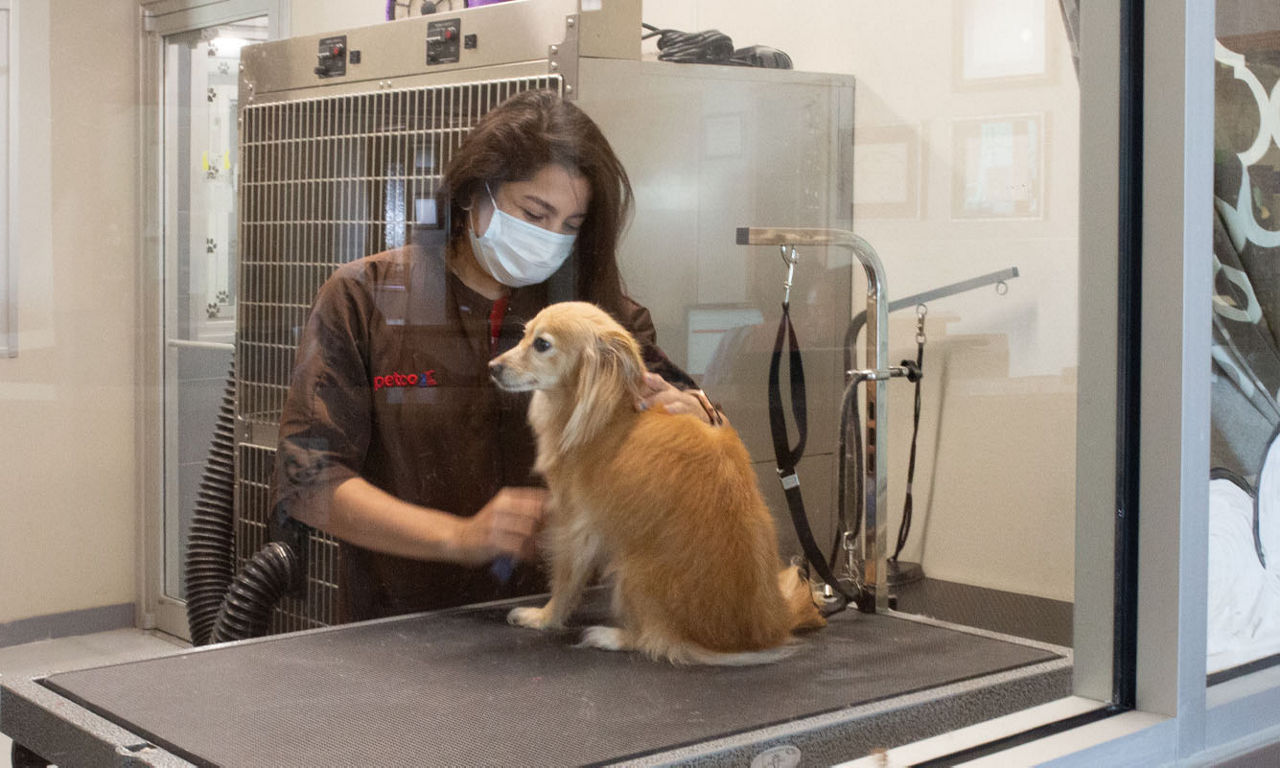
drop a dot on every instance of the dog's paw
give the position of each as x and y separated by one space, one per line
604 638
532 618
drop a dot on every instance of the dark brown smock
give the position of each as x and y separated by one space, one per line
448 439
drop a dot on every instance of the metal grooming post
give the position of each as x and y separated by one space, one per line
875 486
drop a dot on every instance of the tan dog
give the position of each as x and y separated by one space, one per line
665 505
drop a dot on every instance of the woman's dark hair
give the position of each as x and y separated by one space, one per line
517 138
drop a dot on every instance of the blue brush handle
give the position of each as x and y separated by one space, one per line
502 568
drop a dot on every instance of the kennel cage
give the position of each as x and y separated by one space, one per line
343 139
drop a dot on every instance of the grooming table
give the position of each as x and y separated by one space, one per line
460 687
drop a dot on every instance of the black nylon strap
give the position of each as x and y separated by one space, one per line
908 503
788 457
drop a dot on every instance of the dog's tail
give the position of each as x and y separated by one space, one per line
799 599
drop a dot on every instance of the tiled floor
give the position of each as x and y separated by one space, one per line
67 653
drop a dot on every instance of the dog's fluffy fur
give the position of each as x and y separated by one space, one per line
666 506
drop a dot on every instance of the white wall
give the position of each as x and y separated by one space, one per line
68 520
312 17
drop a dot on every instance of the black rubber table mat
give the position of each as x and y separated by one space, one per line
463 688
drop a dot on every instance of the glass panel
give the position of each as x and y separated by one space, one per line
965 184
368 315
1244 510
201 71
910 191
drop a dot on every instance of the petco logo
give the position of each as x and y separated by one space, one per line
424 379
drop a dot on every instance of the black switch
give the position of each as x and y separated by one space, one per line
469 41
442 41
354 57
331 57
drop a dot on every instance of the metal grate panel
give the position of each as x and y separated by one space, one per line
325 181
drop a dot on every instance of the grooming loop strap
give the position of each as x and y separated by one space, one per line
788 457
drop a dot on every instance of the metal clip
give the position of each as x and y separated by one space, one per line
790 261
788 481
853 566
921 310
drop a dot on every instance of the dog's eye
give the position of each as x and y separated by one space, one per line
541 345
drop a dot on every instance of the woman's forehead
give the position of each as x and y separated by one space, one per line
566 190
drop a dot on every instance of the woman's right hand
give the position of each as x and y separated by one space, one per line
506 525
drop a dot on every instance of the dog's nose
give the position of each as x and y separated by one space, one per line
495 370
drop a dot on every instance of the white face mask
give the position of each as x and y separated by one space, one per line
517 253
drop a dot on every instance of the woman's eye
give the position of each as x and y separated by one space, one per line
541 345
531 216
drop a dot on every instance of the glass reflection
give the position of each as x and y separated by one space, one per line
1244 521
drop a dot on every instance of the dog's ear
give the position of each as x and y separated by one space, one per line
609 374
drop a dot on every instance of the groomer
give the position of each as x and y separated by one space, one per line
392 438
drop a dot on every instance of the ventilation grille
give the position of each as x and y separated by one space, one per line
323 182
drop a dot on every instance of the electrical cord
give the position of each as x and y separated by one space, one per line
709 47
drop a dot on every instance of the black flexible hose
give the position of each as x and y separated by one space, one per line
210 561
222 606
253 595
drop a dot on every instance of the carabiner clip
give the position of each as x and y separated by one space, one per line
790 261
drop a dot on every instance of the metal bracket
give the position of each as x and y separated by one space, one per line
562 59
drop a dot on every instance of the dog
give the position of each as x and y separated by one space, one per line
666 506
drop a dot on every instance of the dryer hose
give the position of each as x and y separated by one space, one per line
253 595
223 606
210 561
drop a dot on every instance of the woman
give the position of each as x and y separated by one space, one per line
392 438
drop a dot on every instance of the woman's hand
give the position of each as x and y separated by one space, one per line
506 526
659 392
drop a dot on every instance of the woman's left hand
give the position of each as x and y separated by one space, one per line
658 391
